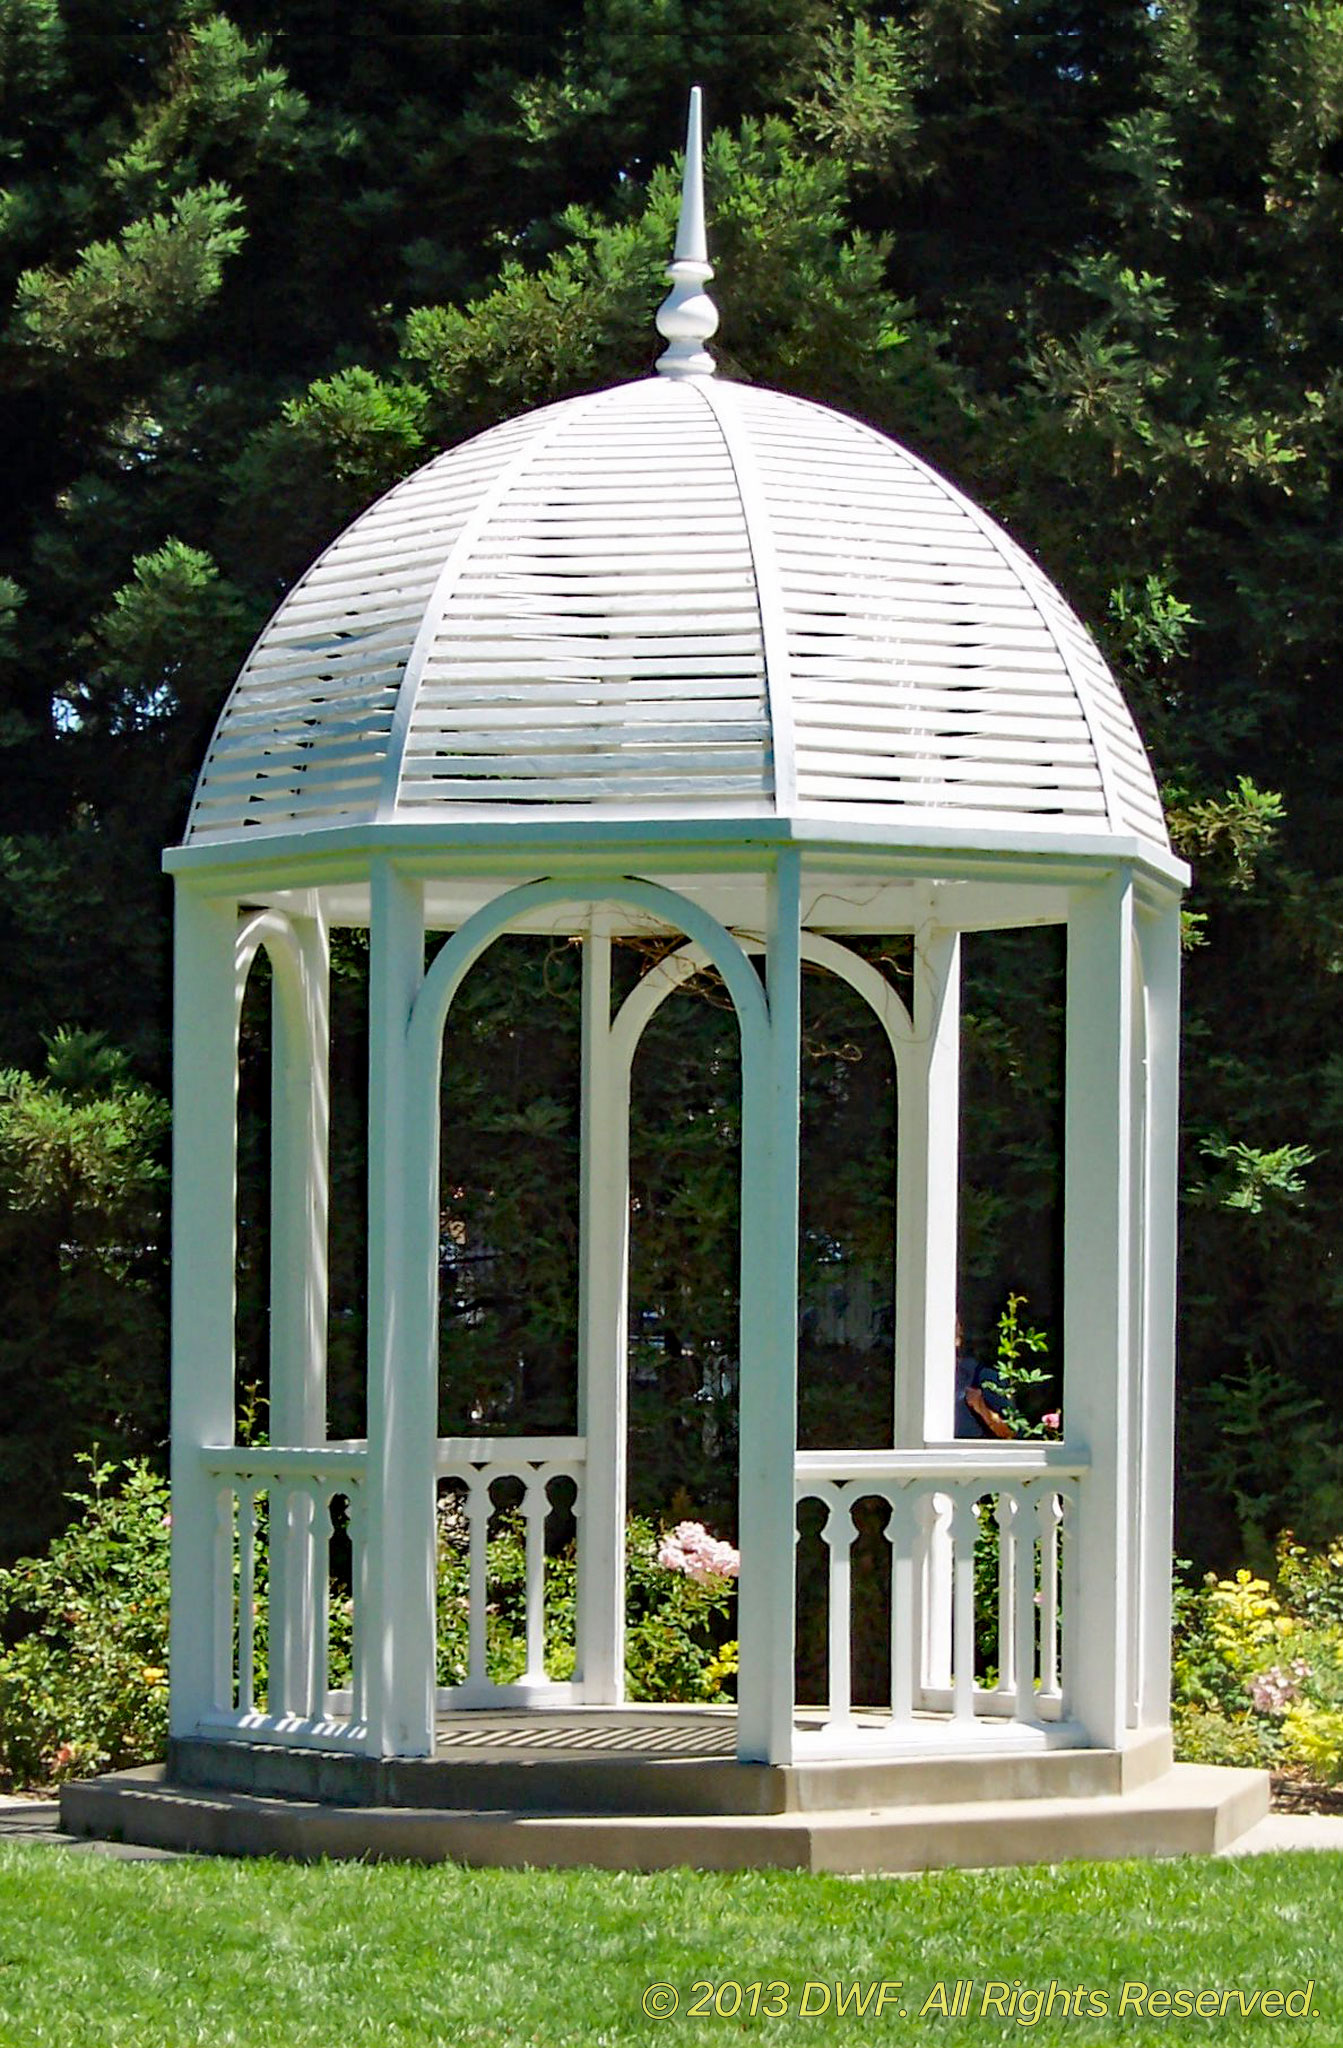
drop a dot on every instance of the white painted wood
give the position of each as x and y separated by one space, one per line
1097 1299
602 1326
926 1494
1006 1462
1006 1516
768 1387
480 1463
204 1163
902 1533
1023 1665
839 1535
1049 1512
964 1529
927 1183
1159 942
402 1361
219 1594
896 648
534 1508
246 1599
299 953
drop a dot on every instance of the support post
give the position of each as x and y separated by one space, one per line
768 1398
402 1353
300 1118
603 1278
1159 951
927 1194
1098 1214
204 1229
927 1186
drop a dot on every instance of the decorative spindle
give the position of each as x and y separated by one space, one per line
688 316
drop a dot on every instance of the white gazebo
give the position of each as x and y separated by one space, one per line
697 659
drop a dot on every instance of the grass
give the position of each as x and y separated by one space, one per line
272 1955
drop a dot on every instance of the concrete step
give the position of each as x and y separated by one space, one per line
1189 1810
569 1781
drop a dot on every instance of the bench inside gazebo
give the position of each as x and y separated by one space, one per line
707 663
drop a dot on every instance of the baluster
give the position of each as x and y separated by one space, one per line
1006 1516
478 1506
225 1502
316 1504
1027 1611
1050 1513
535 1503
839 1534
358 1594
1069 1508
964 1527
902 1535
247 1492
936 1592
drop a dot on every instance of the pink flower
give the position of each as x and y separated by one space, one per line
689 1548
1054 1419
1273 1691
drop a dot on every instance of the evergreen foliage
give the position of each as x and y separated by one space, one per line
255 264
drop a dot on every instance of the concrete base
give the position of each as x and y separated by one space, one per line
652 1812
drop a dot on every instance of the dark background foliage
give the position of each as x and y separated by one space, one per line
256 263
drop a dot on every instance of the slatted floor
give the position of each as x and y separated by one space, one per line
696 1733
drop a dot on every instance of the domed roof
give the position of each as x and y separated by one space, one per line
680 597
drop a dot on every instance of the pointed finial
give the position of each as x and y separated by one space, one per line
688 316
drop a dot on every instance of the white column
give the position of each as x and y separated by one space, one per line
603 1252
1159 946
1098 1162
402 1351
928 1122
205 1088
300 1118
927 1191
768 1403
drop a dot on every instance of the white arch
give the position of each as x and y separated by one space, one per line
643 1002
466 945
300 1118
411 1369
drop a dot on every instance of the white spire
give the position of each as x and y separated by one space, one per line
688 316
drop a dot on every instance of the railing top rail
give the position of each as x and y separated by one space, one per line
280 1460
1020 1461
510 1450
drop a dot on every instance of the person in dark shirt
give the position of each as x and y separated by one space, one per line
981 1404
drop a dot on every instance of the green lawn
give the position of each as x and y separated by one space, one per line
280 1956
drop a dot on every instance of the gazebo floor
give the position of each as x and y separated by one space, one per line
657 1788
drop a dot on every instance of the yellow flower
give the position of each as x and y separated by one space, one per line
154 1674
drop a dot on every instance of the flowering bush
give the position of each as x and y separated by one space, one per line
704 1558
84 1629
678 1603
1258 1666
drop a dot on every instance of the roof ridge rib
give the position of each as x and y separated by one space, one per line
768 590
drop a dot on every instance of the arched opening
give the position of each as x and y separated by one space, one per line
595 1461
683 1329
1010 1235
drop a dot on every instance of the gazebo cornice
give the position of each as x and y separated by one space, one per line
589 839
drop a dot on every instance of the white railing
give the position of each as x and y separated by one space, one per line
941 1505
534 1463
275 1525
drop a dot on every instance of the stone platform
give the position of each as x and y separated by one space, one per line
653 1789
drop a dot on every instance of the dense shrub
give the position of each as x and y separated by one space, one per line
84 1634
1258 1667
